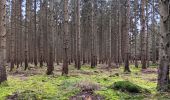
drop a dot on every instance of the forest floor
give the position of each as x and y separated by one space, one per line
92 84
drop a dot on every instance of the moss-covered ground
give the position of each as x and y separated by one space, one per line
35 83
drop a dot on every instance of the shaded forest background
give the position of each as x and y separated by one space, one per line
35 30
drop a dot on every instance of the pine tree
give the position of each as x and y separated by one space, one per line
78 35
3 76
163 70
143 35
65 62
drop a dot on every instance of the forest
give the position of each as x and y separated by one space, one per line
84 49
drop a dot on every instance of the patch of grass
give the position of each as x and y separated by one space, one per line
127 86
141 80
111 94
162 96
67 88
154 65
27 95
43 86
87 68
86 85
62 87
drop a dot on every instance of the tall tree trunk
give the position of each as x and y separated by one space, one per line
163 70
65 62
50 65
110 40
17 24
136 32
35 33
143 36
92 35
126 37
3 76
101 34
8 30
147 35
153 35
120 35
20 32
41 35
75 32
78 35
12 58
27 30
45 30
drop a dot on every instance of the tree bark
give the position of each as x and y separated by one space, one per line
110 40
163 70
92 36
120 35
153 35
126 37
147 36
27 30
50 62
12 58
41 35
3 76
35 33
78 35
136 32
65 55
143 36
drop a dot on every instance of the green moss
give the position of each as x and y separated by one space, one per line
43 86
162 96
28 95
62 87
109 94
87 68
154 65
128 87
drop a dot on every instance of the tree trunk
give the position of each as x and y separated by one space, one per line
143 36
136 32
12 58
50 65
153 35
78 35
101 35
35 33
27 30
65 62
92 35
147 35
75 32
110 40
120 35
3 76
126 37
163 70
41 35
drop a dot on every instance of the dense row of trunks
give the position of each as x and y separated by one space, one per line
44 32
